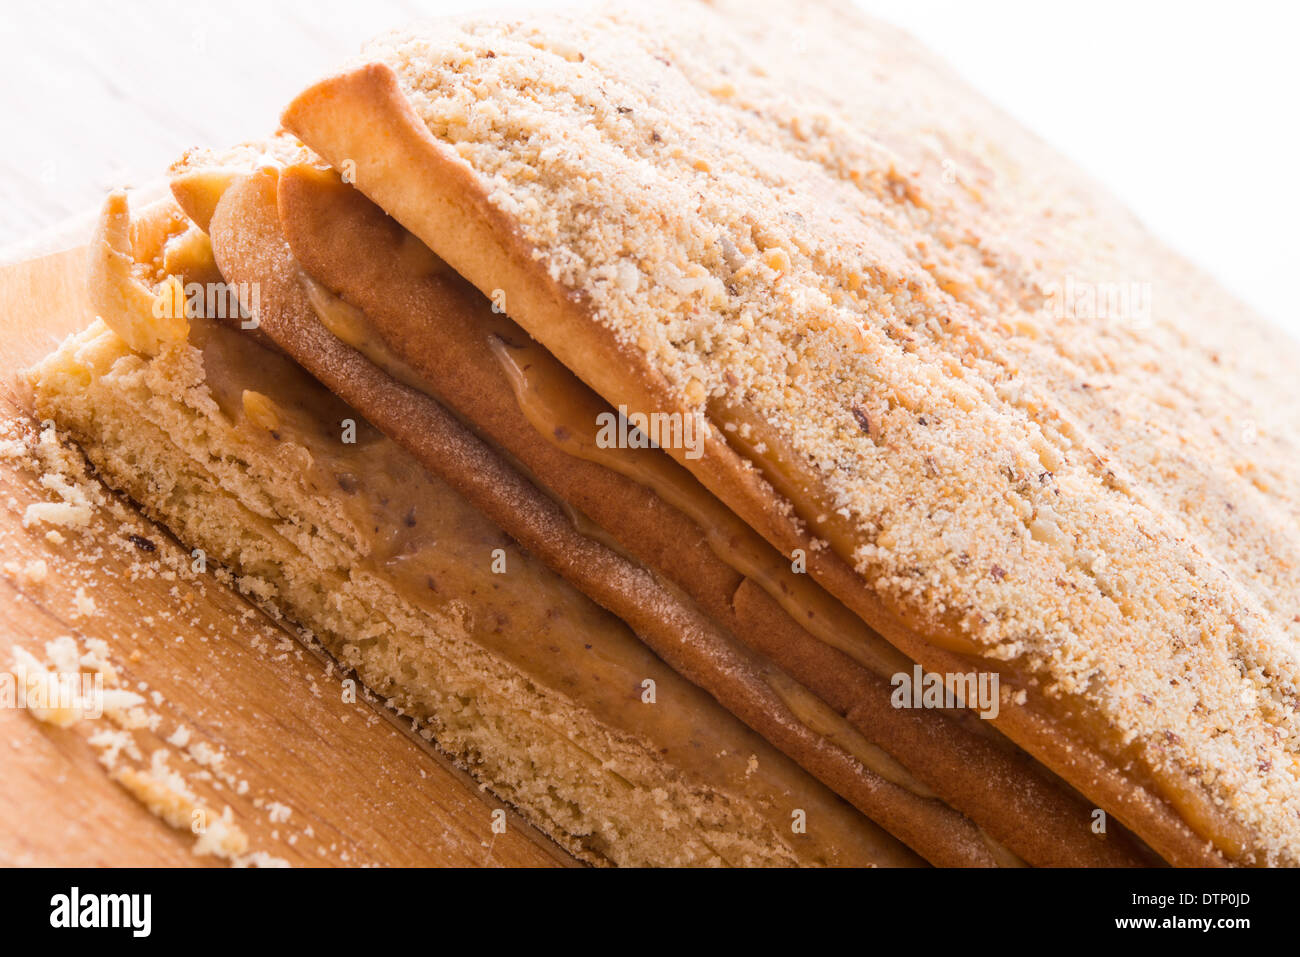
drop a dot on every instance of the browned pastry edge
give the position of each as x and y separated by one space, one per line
363 117
249 247
435 323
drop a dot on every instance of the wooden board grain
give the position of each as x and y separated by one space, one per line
311 777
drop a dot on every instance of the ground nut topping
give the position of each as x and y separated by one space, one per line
1046 428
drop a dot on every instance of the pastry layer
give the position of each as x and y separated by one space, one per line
856 273
533 688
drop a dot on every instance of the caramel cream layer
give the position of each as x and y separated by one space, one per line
558 406
438 553
565 413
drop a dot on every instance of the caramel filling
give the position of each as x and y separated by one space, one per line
813 713
438 553
348 324
565 412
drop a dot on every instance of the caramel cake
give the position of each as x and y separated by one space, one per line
368 309
538 692
851 277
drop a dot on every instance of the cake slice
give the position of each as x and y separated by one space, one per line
363 305
853 273
545 698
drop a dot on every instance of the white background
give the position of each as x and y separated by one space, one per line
1187 110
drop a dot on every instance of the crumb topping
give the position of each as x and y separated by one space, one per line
1048 431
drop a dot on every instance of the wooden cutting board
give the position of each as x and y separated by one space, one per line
310 777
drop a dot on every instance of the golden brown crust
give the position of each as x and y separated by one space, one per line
363 117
